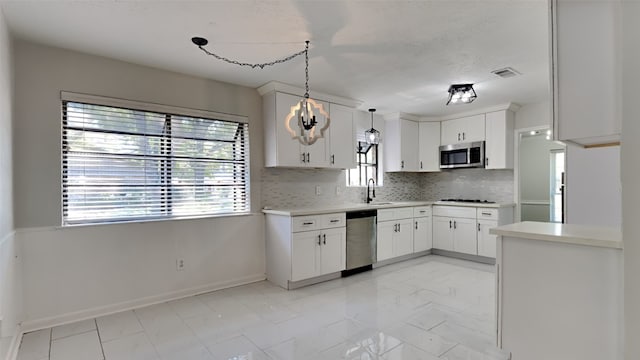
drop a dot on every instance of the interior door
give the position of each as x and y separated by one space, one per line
465 239
442 233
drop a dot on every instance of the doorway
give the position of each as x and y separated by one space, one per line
540 176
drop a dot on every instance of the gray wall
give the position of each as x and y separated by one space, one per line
43 72
532 115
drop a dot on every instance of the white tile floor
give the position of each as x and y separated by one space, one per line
426 308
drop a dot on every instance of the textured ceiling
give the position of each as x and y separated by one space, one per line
393 55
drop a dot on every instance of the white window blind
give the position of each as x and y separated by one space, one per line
121 164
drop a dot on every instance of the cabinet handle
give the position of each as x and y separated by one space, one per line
454 224
486 213
307 223
420 164
449 224
486 161
416 225
303 158
462 136
423 211
398 227
324 239
458 136
478 226
402 164
319 243
334 221
333 159
308 157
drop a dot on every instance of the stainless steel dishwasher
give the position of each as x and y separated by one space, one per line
361 241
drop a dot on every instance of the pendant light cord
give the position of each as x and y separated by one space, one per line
306 69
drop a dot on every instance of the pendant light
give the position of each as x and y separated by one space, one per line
372 136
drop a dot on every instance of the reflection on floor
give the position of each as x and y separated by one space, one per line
427 308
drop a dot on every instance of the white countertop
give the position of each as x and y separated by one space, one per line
563 233
326 209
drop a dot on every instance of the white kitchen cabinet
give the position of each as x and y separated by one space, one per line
422 234
586 37
466 129
464 236
401 145
486 241
304 247
283 151
342 154
394 233
499 140
454 229
442 233
428 146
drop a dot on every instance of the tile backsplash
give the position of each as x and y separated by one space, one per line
293 188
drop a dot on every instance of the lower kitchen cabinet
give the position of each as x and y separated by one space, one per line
442 233
486 241
422 234
464 236
394 238
315 253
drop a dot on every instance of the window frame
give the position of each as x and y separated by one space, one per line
360 164
170 113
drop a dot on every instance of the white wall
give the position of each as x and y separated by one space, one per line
631 177
10 255
83 271
532 115
593 192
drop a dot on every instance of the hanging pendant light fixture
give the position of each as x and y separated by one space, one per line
308 113
372 136
305 112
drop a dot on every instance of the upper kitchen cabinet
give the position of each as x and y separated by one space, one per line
335 150
428 145
401 143
586 71
466 129
341 138
499 140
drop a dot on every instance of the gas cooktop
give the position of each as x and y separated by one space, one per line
470 201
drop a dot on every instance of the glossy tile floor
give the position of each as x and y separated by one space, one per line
427 308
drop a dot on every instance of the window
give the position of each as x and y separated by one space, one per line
367 159
129 163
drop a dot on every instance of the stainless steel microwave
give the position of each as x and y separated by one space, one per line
464 155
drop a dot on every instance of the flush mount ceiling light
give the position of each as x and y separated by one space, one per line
461 94
307 111
372 136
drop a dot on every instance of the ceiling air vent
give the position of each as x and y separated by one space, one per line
506 72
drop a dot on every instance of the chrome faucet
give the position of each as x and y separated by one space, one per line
370 199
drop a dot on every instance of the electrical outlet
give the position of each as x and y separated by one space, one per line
338 192
318 190
179 264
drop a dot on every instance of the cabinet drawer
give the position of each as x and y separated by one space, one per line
395 214
333 221
455 211
305 223
487 214
421 211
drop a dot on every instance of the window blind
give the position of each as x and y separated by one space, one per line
121 164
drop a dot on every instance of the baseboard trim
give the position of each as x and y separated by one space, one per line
401 258
457 255
45 323
12 354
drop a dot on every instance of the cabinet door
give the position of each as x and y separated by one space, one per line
333 251
342 149
386 231
409 145
486 241
305 255
442 233
403 240
499 140
464 236
422 235
473 128
450 132
428 145
288 152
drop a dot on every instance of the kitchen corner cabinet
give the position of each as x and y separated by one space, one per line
422 229
454 229
463 130
499 139
429 146
283 151
304 247
587 73
401 145
394 233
